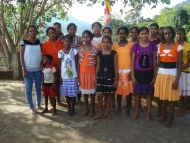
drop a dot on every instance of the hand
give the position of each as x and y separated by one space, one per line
116 82
134 81
175 85
53 85
153 81
24 72
129 76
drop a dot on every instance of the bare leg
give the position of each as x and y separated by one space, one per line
128 105
113 102
137 101
92 98
119 99
46 105
100 106
170 114
86 105
164 111
149 106
108 104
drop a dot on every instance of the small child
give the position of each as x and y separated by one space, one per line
69 83
106 79
49 86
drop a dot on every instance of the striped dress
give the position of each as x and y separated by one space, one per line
87 62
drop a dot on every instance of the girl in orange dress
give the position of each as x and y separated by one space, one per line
124 87
87 70
169 68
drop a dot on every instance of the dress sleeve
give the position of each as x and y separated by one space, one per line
60 54
22 43
74 51
134 48
179 48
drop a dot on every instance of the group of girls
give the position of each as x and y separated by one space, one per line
148 64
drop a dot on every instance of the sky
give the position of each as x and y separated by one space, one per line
91 14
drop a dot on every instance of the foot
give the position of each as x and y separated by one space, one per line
107 116
33 111
91 115
162 119
59 103
136 116
98 116
118 111
168 124
45 111
149 117
85 113
128 113
40 108
53 113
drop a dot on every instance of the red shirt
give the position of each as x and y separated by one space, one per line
52 48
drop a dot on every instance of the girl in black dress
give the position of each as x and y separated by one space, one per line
106 76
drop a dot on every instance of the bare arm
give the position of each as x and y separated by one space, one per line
116 69
179 63
97 65
186 65
155 66
22 50
132 68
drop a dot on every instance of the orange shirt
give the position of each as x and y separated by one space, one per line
87 60
52 48
124 55
171 55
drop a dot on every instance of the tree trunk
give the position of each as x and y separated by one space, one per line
15 65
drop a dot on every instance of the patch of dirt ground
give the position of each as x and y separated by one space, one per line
18 125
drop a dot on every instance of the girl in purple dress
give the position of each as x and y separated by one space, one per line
143 70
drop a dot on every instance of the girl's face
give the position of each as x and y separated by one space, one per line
44 60
153 30
86 38
168 36
57 28
144 35
106 43
160 34
180 36
32 32
72 30
107 32
122 34
96 29
67 43
52 34
134 34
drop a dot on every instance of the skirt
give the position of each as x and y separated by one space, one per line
163 88
105 85
87 83
124 86
184 84
69 87
144 79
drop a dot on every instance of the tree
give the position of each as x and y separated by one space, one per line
15 16
181 18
